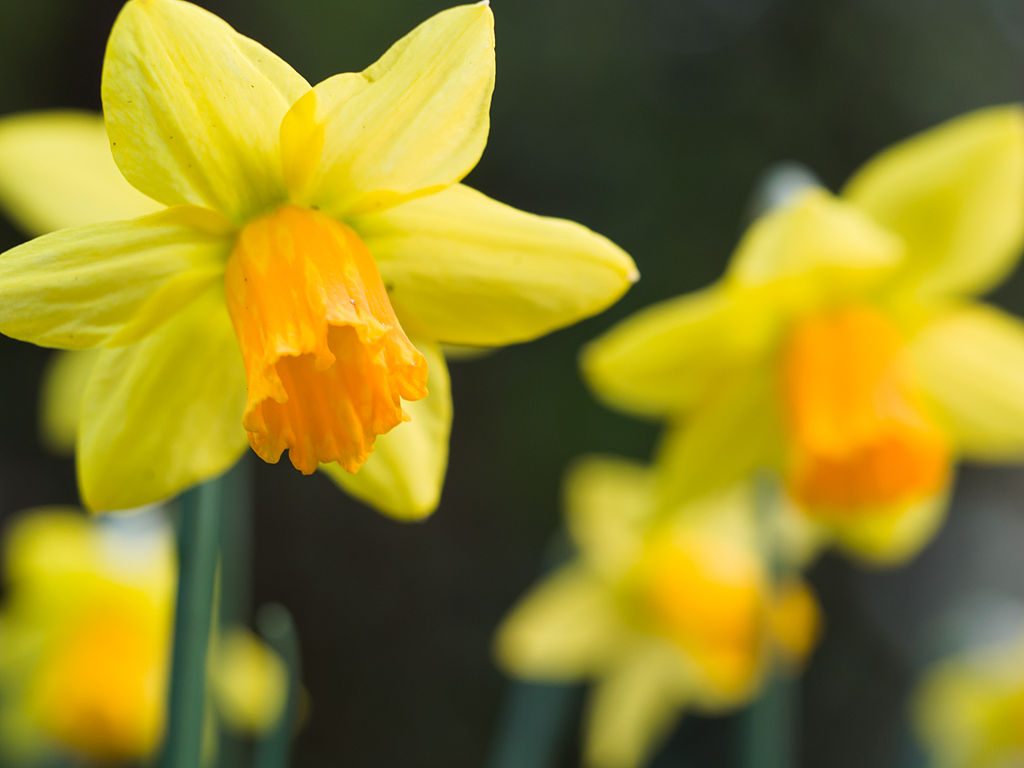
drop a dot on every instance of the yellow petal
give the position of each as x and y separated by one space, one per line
250 682
609 503
886 537
734 433
816 249
405 473
413 123
668 357
166 413
465 269
970 363
61 402
194 109
107 283
566 628
633 709
56 171
955 194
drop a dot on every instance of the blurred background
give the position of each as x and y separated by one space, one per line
650 121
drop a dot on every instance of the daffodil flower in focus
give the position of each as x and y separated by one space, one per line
86 627
313 250
845 348
665 613
969 709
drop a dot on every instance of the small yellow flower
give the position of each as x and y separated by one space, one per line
969 710
665 613
86 630
844 348
314 250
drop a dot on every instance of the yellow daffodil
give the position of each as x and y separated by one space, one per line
314 250
664 613
844 347
969 710
86 631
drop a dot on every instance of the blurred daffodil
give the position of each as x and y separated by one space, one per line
86 630
844 347
664 613
314 249
969 710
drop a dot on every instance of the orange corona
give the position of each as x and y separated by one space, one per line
860 438
326 359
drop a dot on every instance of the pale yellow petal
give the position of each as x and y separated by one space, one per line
465 269
813 250
405 473
56 171
609 504
166 413
108 283
61 401
955 194
415 122
194 109
250 682
566 628
970 363
886 537
633 708
667 358
734 433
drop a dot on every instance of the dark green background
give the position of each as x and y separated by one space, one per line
650 121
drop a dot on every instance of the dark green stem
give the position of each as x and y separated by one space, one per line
278 629
198 538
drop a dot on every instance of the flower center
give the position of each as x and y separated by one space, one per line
706 595
101 691
327 362
860 438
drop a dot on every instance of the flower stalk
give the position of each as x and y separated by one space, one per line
198 539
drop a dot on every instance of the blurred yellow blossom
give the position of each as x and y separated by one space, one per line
86 633
969 710
312 250
664 613
844 348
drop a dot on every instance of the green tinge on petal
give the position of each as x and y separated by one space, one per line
464 269
108 283
736 432
413 123
56 171
194 109
166 413
404 475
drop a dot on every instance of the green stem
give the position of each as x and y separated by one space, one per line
278 629
769 723
234 594
193 617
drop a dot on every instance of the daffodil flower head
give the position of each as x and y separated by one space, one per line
86 629
844 348
969 709
663 612
311 250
